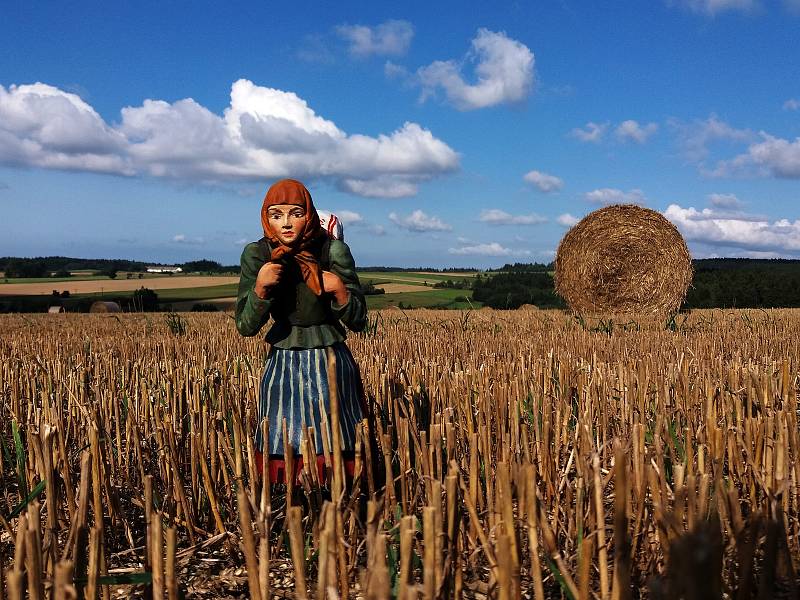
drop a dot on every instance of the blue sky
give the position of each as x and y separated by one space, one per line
442 134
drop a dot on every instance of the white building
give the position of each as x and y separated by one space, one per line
164 269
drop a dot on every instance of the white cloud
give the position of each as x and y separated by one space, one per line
729 201
41 125
391 38
792 103
714 7
491 249
709 227
775 156
495 216
419 221
181 238
265 133
394 71
567 220
504 71
615 196
544 182
592 132
633 131
695 137
390 186
770 157
349 217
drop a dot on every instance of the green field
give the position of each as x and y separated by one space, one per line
430 298
411 277
184 298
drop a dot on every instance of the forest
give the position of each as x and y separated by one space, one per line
717 283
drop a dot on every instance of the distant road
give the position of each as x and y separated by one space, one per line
113 285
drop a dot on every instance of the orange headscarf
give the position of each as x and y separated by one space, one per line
290 191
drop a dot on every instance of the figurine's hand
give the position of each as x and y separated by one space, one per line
332 284
269 275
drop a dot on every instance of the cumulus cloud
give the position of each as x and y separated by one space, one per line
567 220
264 133
43 126
772 156
792 103
707 226
491 249
729 201
631 130
714 7
419 221
391 38
696 137
504 70
544 182
592 132
614 196
496 216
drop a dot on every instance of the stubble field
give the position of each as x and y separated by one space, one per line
531 454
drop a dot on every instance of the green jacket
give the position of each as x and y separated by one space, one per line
300 319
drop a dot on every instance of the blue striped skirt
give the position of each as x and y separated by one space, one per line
295 387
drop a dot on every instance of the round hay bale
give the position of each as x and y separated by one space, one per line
101 306
623 259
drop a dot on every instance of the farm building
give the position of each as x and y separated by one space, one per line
164 269
105 307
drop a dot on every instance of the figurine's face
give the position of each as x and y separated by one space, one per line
287 222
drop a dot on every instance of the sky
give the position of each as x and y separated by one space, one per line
446 134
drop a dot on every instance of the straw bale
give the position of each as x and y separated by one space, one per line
623 259
105 307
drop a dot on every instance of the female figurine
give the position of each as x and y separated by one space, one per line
306 281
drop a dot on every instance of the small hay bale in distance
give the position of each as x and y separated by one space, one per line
102 306
623 259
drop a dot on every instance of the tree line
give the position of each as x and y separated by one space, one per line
63 266
717 283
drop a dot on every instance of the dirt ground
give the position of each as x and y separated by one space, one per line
113 285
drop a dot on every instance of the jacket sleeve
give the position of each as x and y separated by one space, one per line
252 312
354 312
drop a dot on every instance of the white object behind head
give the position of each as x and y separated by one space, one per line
331 224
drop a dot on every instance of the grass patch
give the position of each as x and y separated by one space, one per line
433 298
